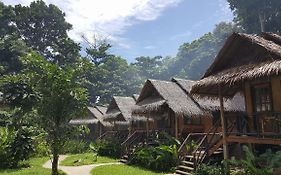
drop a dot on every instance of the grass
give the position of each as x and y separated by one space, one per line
35 168
85 159
122 170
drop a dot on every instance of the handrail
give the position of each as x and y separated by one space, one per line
200 154
198 151
105 134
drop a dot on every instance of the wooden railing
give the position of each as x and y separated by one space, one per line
106 134
119 136
133 140
211 139
265 125
190 144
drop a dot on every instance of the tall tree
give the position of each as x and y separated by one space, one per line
148 67
98 51
44 29
256 16
59 98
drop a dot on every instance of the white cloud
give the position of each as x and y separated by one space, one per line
109 18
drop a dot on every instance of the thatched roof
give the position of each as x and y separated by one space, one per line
236 104
120 109
95 115
157 96
243 57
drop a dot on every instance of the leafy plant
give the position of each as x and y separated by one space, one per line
161 158
209 170
258 165
15 146
75 147
108 148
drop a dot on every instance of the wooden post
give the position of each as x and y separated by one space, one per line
225 148
100 130
147 126
176 126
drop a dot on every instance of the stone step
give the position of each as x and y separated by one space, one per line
182 172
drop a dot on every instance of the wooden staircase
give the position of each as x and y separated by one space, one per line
140 139
135 140
207 145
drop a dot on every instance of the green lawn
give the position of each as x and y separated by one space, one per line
122 170
85 159
34 169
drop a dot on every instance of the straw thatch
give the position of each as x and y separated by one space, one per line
236 104
120 109
244 57
95 115
157 96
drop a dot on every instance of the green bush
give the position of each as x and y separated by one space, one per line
75 147
210 170
108 148
161 158
15 146
258 165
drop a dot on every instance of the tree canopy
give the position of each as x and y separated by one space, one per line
257 16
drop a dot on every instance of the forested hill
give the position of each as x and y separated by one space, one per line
106 74
194 58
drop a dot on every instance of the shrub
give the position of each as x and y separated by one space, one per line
161 158
258 165
15 146
108 148
209 170
75 147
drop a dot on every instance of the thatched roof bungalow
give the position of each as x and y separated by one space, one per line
94 120
168 104
157 95
119 112
249 64
243 58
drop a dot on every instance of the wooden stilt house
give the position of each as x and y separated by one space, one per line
251 65
119 113
167 104
94 121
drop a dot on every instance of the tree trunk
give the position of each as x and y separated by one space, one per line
55 162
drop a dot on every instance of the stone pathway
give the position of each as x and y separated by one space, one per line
75 170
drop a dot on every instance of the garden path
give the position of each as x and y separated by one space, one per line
75 170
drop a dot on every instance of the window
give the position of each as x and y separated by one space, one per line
262 98
187 120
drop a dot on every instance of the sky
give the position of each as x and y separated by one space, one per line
141 27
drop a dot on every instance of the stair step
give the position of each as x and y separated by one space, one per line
189 156
125 156
124 161
218 152
182 172
186 167
187 162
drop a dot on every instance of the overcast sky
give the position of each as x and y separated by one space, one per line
141 27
